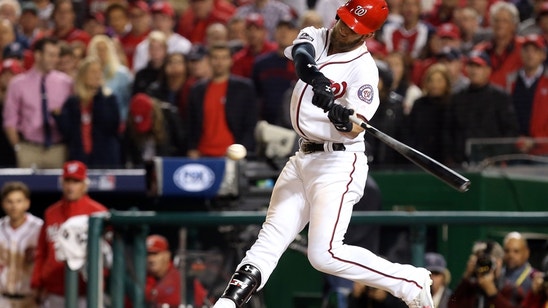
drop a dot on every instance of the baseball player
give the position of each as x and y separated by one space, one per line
320 184
18 240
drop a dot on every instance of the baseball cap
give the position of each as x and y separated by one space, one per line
197 52
29 6
140 110
536 40
11 65
448 30
480 58
157 243
450 54
435 262
287 21
254 19
13 50
75 170
140 4
162 7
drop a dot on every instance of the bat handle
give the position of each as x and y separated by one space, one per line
356 120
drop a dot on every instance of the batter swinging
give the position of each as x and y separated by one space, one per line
320 184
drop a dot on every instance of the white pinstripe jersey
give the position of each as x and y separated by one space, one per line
355 77
17 254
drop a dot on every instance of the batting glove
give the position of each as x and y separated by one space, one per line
339 116
323 94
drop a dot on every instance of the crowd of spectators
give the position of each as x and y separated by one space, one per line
72 72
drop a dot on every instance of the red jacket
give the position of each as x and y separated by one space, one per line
504 64
49 273
466 295
538 125
244 59
195 30
166 290
533 300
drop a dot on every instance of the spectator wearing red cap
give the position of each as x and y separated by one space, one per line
89 120
64 20
257 44
30 98
447 35
528 87
199 15
504 47
153 129
48 277
8 70
272 11
163 19
482 110
139 17
163 281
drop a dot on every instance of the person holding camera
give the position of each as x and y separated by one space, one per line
517 269
537 297
482 284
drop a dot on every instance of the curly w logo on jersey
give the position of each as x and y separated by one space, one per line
365 93
339 89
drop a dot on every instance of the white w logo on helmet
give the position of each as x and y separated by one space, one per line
360 11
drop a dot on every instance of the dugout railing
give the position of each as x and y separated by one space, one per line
138 223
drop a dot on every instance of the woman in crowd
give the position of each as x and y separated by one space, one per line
171 84
117 77
89 120
425 122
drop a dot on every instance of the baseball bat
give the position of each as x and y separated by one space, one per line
437 169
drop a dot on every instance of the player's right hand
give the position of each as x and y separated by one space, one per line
323 94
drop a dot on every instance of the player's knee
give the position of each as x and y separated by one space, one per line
243 284
321 261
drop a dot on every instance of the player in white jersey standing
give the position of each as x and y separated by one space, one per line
19 232
320 184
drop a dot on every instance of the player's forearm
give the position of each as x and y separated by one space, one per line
305 65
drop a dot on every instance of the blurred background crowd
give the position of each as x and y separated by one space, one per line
114 83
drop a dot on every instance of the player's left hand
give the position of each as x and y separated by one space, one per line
339 116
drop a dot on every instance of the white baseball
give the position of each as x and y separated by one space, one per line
236 151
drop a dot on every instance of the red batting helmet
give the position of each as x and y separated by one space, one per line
363 16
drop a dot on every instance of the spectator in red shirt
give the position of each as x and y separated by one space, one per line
505 47
411 36
64 18
163 281
139 17
257 44
199 15
48 277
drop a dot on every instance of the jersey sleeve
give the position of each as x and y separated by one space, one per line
363 94
309 35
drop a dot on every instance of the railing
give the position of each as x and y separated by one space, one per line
139 222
